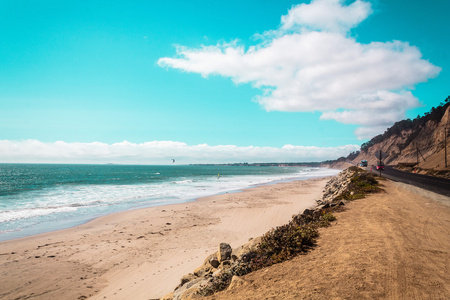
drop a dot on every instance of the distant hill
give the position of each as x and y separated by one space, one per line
275 164
417 143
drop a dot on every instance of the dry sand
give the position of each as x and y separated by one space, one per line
142 254
392 245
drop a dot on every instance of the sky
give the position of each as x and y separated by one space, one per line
142 82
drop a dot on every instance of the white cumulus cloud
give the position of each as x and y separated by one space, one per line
327 15
160 152
311 64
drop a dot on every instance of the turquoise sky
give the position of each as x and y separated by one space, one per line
87 71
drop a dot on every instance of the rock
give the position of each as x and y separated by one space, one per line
217 273
242 252
336 186
224 252
187 289
307 212
206 267
317 213
214 262
186 278
246 257
225 264
202 271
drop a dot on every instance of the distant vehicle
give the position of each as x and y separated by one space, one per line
380 166
363 163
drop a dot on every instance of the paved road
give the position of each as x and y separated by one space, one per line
434 184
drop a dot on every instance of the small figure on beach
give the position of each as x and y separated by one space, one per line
218 175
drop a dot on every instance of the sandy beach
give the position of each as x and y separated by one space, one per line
142 254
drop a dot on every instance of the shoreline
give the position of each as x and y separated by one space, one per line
30 232
144 252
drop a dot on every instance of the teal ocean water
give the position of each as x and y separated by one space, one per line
37 198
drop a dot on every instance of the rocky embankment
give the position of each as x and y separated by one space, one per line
221 270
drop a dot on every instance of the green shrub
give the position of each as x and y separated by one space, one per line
216 284
283 243
361 183
326 218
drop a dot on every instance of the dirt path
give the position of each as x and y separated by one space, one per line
393 245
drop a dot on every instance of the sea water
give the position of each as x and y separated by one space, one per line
37 198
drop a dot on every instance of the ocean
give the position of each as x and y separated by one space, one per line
38 198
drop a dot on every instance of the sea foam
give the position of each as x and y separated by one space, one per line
79 194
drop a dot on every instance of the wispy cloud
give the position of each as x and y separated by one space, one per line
159 152
310 63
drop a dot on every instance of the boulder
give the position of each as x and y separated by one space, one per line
214 262
242 252
225 264
225 251
207 266
188 289
202 271
186 278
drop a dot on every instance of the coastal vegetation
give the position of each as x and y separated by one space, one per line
361 183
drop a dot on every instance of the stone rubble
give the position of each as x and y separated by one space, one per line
335 187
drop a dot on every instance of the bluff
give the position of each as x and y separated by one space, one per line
418 143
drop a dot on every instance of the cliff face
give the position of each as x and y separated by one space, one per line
409 141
